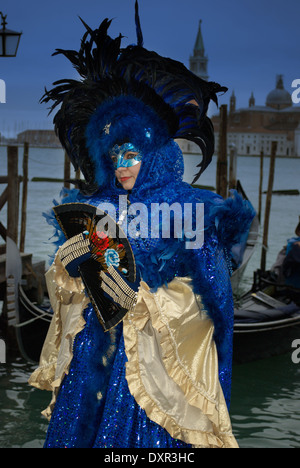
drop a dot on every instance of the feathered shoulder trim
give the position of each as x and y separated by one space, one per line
58 237
231 218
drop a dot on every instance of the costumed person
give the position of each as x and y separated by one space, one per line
286 269
291 263
161 377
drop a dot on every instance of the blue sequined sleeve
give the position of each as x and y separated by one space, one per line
211 280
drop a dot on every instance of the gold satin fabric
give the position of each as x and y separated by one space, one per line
172 368
68 300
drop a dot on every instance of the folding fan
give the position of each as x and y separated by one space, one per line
109 247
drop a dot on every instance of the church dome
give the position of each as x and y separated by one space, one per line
279 98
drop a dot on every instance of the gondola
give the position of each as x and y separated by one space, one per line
28 321
246 249
266 320
249 248
32 326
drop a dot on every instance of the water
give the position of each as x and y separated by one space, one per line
265 394
265 403
21 424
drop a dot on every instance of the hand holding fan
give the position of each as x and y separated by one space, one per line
109 248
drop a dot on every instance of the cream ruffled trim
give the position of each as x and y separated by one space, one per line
68 301
195 395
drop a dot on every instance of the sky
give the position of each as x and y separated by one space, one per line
248 43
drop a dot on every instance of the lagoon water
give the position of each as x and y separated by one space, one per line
265 407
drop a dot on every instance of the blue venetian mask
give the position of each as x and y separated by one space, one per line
126 155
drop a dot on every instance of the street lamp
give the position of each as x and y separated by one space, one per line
9 40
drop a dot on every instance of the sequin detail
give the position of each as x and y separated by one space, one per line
124 423
94 407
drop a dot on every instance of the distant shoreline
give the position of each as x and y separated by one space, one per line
245 155
186 153
31 146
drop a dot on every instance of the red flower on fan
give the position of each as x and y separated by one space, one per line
100 240
102 235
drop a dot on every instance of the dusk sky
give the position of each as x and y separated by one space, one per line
247 42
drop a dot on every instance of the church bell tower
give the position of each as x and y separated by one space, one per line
198 61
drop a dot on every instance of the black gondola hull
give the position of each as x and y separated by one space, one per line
32 328
253 342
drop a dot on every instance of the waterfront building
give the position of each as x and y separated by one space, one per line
252 129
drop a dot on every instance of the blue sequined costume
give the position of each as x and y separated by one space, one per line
115 421
80 418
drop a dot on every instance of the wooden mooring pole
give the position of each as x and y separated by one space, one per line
67 171
221 180
233 167
13 193
24 197
261 176
11 196
268 206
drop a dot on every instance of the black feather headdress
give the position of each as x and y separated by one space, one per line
175 100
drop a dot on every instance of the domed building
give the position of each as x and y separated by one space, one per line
279 98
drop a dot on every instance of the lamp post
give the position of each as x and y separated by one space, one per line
9 40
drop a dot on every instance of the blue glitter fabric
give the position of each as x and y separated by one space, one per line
113 419
84 416
124 424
